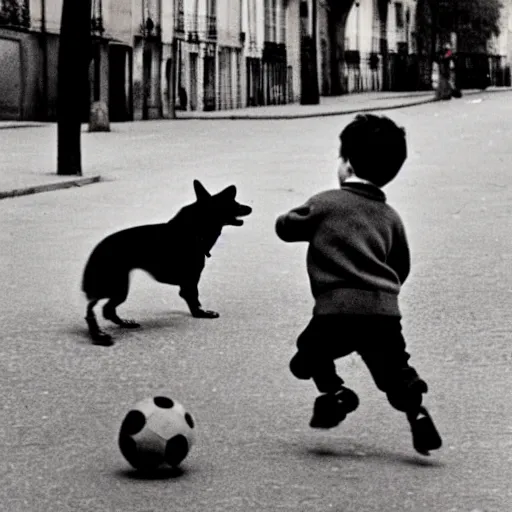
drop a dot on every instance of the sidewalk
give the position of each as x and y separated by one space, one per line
329 106
18 179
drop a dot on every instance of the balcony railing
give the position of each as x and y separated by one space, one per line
150 30
211 27
195 28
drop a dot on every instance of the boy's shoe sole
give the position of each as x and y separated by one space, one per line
425 436
331 409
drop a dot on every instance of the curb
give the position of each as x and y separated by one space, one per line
281 117
8 126
48 187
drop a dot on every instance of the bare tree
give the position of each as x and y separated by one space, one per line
75 51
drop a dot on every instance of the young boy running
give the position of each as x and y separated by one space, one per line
358 258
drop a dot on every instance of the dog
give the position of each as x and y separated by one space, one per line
173 253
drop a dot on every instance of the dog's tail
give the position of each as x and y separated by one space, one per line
104 277
96 277
88 280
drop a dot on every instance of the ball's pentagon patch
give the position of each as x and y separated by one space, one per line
133 423
189 420
163 402
176 449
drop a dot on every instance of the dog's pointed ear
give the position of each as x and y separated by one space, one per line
201 192
229 192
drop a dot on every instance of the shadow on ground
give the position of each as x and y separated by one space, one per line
362 452
173 319
165 473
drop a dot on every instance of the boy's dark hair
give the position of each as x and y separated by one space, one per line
375 146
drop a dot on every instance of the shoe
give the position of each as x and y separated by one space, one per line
425 436
331 409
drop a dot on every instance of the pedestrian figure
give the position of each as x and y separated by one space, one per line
447 88
358 259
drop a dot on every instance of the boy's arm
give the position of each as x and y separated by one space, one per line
299 224
399 258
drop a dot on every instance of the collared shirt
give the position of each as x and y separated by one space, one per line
356 179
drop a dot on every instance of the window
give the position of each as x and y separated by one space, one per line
211 8
211 19
181 17
270 20
282 22
399 14
266 8
273 17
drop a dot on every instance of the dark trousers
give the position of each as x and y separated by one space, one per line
377 339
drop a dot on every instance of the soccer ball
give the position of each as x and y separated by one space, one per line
157 431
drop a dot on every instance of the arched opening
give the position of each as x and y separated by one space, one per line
336 23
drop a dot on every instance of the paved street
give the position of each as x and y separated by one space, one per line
63 399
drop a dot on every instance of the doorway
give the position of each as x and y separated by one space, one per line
119 83
193 81
10 79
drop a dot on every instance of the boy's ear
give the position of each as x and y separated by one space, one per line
229 192
201 192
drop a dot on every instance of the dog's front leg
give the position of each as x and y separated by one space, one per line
190 293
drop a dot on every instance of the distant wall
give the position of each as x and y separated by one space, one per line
20 84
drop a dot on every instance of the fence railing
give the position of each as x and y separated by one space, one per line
412 72
478 71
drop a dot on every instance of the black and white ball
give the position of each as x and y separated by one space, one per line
157 431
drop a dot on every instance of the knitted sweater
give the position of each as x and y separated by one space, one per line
358 255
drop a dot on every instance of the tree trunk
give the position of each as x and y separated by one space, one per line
75 51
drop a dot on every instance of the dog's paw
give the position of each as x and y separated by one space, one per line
205 313
129 324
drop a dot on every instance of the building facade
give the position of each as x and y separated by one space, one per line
500 48
151 57
378 38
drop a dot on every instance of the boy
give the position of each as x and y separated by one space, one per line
357 260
